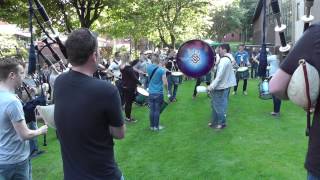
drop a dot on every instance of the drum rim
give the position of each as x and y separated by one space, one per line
142 91
242 69
177 73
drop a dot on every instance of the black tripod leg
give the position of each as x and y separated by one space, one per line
45 140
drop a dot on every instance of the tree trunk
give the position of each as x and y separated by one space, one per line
173 40
162 38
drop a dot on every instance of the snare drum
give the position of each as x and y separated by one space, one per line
142 96
177 77
264 90
202 89
243 73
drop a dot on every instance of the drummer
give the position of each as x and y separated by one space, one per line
242 60
129 82
171 65
274 61
140 68
220 86
114 70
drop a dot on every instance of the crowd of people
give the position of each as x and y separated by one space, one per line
88 109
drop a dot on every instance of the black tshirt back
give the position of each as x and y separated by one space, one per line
85 107
308 48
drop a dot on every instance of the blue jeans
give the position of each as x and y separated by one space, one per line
19 171
33 142
312 177
155 102
171 83
276 104
219 105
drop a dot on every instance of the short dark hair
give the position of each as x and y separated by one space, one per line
226 47
8 65
80 45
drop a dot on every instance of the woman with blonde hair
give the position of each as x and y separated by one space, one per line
130 82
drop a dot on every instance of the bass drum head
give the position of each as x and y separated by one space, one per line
195 58
242 69
177 73
142 91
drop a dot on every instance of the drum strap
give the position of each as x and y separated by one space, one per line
228 58
153 73
303 63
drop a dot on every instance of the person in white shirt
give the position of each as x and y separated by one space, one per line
114 70
220 87
274 62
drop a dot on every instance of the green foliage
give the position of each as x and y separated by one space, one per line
249 7
8 44
65 15
162 21
226 19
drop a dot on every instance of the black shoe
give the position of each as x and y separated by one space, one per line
131 120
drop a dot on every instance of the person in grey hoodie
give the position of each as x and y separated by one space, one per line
220 87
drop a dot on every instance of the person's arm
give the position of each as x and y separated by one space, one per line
15 113
101 67
221 68
133 75
109 70
117 127
25 133
136 69
165 81
247 59
118 132
279 83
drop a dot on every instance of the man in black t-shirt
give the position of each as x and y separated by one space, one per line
87 114
308 48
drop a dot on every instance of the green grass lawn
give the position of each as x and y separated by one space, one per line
253 146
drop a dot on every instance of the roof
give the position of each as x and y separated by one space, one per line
258 10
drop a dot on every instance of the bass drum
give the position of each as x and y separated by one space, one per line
195 58
142 96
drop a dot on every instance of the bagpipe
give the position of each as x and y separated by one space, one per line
52 52
284 48
300 91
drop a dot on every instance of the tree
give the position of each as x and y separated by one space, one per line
225 20
247 29
67 13
89 11
171 14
